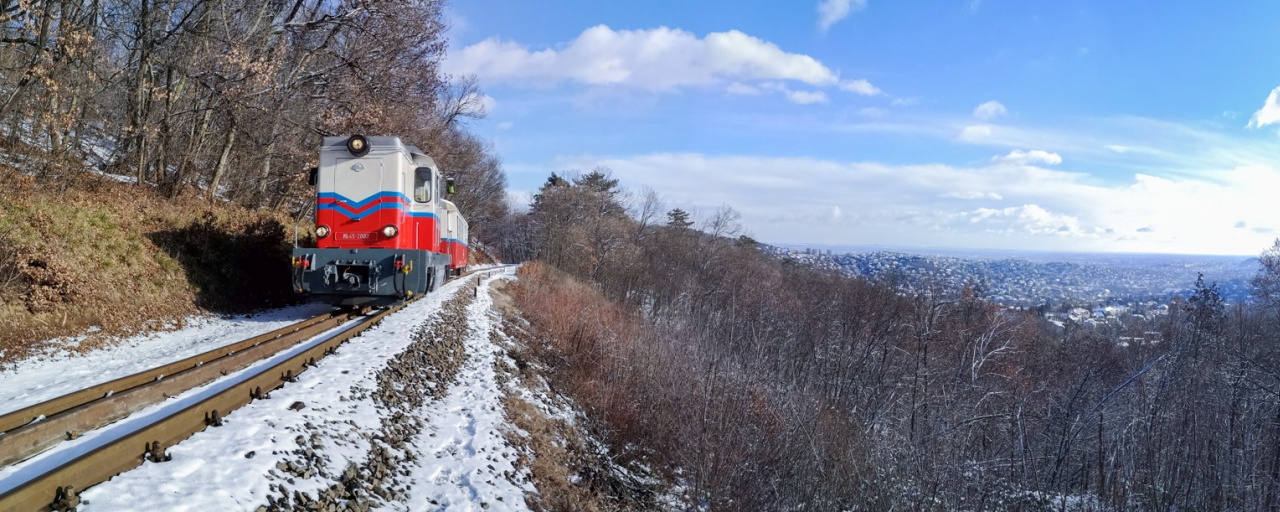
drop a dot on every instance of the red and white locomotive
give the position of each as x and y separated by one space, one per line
383 229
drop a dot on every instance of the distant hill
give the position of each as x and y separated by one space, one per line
1032 279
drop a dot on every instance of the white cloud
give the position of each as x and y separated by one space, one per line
1031 219
974 133
519 200
797 97
1025 207
971 195
457 23
1176 148
1035 156
743 89
660 59
832 11
806 97
860 86
989 110
1269 113
480 104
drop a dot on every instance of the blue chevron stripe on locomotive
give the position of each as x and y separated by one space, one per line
356 210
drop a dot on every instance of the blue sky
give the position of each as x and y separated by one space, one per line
995 124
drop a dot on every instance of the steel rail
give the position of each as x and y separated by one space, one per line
56 489
150 387
20 417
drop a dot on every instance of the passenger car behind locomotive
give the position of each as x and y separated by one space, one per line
383 230
455 240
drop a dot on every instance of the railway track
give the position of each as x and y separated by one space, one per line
55 483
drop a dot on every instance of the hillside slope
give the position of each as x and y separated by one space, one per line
102 259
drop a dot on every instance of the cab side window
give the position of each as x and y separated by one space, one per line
422 184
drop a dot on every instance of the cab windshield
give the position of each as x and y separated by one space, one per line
422 184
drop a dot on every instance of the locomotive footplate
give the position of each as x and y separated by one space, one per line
393 273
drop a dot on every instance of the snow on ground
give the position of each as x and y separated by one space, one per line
318 433
60 372
468 461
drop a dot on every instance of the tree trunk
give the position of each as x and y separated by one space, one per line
42 40
141 93
223 161
193 145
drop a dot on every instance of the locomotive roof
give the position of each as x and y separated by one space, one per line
381 144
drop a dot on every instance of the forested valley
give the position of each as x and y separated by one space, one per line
764 384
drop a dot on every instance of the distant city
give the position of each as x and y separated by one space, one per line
1050 281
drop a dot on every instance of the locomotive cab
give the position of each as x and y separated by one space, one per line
379 222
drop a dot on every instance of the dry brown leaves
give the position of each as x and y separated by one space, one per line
80 268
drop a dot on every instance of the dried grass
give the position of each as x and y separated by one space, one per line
123 260
566 462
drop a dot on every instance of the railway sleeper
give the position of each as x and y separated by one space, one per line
213 419
157 453
47 495
65 499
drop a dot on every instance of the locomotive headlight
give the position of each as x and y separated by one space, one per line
322 231
389 231
358 146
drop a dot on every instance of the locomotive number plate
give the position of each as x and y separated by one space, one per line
355 236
